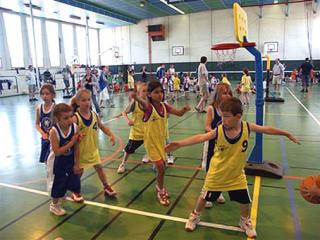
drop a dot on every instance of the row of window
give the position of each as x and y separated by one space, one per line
15 42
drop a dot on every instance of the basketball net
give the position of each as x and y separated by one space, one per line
226 55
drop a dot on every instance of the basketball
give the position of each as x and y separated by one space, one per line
308 182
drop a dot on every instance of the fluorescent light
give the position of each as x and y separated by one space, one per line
173 7
275 1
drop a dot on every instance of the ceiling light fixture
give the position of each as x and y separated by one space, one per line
173 7
142 3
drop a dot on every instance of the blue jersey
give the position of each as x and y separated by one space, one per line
46 119
64 163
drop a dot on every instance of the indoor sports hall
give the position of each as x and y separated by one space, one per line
61 60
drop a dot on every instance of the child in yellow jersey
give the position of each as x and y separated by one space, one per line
176 86
131 80
155 118
137 126
225 79
226 171
245 86
88 124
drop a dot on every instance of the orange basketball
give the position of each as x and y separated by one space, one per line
308 182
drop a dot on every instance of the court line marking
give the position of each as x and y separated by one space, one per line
307 110
130 210
255 202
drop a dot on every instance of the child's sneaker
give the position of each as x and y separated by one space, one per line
145 159
165 191
162 196
56 209
109 191
246 225
170 159
121 168
221 199
192 222
208 204
76 197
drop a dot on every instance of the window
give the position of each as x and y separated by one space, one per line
53 43
81 43
106 43
13 30
67 31
37 29
93 36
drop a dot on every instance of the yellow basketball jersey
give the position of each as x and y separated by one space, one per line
89 149
246 82
137 130
226 171
176 83
155 135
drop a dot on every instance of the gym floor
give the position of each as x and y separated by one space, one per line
278 210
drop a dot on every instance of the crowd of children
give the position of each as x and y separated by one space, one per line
69 136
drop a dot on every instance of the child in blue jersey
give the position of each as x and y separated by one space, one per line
63 160
221 92
226 171
44 119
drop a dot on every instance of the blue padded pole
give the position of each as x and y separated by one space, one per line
257 151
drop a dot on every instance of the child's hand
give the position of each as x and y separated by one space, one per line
130 123
77 170
81 136
186 108
293 139
75 138
112 140
172 147
45 136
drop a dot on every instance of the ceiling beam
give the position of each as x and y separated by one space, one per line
99 10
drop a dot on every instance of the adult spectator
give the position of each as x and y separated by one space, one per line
305 70
203 84
143 74
31 82
277 75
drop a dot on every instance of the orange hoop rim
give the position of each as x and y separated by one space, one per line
227 46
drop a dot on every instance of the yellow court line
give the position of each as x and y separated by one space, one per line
255 202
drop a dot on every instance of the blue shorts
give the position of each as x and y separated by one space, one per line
64 182
45 150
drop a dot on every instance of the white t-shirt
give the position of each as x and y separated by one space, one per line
31 78
202 74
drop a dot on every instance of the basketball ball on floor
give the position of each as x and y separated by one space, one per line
308 182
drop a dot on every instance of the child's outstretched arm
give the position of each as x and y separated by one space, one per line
143 103
272 131
191 140
128 120
106 131
180 112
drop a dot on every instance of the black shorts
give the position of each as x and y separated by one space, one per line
133 145
64 182
241 196
45 150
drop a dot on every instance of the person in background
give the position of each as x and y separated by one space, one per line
305 70
31 82
277 75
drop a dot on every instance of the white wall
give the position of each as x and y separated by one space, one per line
197 32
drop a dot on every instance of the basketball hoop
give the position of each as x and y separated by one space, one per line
226 52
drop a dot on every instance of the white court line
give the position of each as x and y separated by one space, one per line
110 120
130 210
310 113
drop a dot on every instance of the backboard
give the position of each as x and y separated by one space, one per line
240 23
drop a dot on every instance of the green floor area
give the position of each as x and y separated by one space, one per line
281 212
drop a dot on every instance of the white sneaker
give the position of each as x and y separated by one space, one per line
121 168
221 199
208 204
246 225
192 222
56 209
145 159
170 158
76 197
